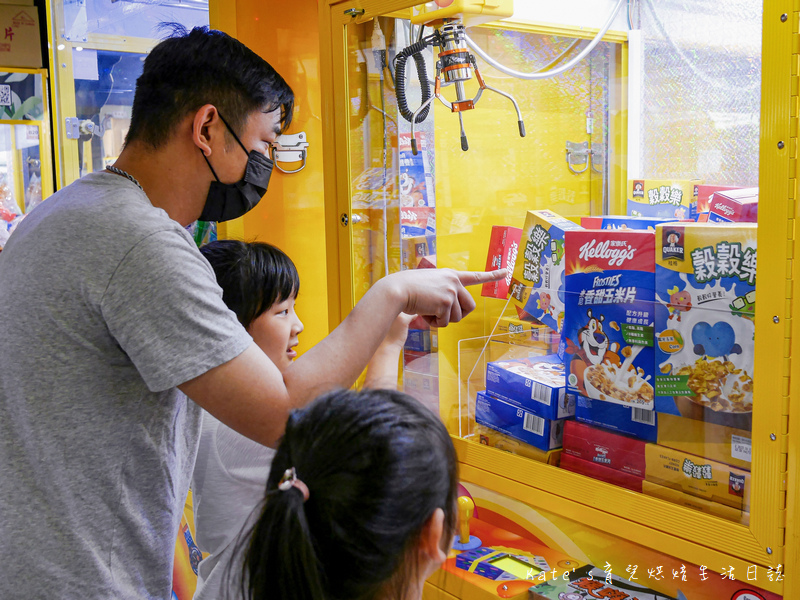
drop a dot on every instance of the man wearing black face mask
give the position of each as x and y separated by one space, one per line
110 309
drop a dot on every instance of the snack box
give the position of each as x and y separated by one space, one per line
517 422
717 442
601 473
633 421
528 333
607 340
418 340
417 221
697 476
535 383
738 206
662 197
414 250
501 441
608 449
503 249
537 286
701 504
705 192
705 290
623 222
587 582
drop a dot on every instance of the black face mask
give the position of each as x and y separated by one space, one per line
226 201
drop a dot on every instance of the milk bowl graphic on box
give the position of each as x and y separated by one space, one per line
607 340
705 290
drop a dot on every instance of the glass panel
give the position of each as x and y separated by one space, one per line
627 345
104 86
136 18
20 175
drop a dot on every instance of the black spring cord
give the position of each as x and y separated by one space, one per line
415 51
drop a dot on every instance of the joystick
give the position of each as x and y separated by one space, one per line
465 541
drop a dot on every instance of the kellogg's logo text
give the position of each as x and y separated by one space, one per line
615 252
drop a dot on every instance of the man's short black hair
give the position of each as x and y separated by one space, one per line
203 66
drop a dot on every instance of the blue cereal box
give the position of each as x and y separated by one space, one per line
624 222
536 383
607 341
705 291
623 419
662 197
518 423
537 286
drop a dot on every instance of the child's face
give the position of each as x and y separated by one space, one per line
276 331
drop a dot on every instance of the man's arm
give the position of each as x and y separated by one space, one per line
250 395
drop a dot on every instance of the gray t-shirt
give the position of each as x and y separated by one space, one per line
105 306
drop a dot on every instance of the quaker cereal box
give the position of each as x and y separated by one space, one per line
624 222
517 422
503 249
537 286
705 290
414 249
607 341
535 383
662 197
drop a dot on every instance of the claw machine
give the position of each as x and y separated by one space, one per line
621 408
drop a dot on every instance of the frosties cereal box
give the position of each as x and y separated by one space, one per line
662 197
535 383
739 206
520 424
705 290
705 193
607 341
537 286
624 222
503 250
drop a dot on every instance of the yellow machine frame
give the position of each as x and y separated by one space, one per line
671 529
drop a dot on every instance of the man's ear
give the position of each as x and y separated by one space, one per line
202 132
430 539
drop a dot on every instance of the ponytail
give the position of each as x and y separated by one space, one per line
280 560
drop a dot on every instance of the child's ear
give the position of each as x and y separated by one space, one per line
430 542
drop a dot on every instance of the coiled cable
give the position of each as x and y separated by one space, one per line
415 51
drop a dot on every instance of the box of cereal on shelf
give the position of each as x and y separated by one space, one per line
537 286
607 341
705 291
662 197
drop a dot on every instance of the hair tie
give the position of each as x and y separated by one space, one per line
290 480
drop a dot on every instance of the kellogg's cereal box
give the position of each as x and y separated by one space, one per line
607 340
537 286
623 222
520 424
503 249
705 290
705 193
737 206
535 383
637 422
662 197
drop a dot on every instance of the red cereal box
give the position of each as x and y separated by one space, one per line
503 248
605 448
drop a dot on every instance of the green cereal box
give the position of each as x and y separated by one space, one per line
662 197
537 286
705 305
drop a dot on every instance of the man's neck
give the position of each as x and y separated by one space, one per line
169 182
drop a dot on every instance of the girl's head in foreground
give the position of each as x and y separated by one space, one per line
381 477
260 284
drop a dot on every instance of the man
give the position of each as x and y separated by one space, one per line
109 310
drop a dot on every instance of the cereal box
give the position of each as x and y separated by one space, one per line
717 442
701 504
503 248
517 422
414 250
417 221
535 383
489 437
705 290
704 195
662 197
537 286
698 476
738 206
624 222
601 472
607 341
587 582
528 333
623 419
600 446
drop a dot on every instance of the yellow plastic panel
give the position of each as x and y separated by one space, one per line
291 214
471 12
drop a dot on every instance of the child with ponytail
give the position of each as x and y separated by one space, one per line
360 502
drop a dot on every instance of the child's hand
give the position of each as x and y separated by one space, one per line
398 332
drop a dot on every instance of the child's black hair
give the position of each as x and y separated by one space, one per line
253 276
198 67
377 465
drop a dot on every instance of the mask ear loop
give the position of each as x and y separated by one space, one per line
213 172
236 137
